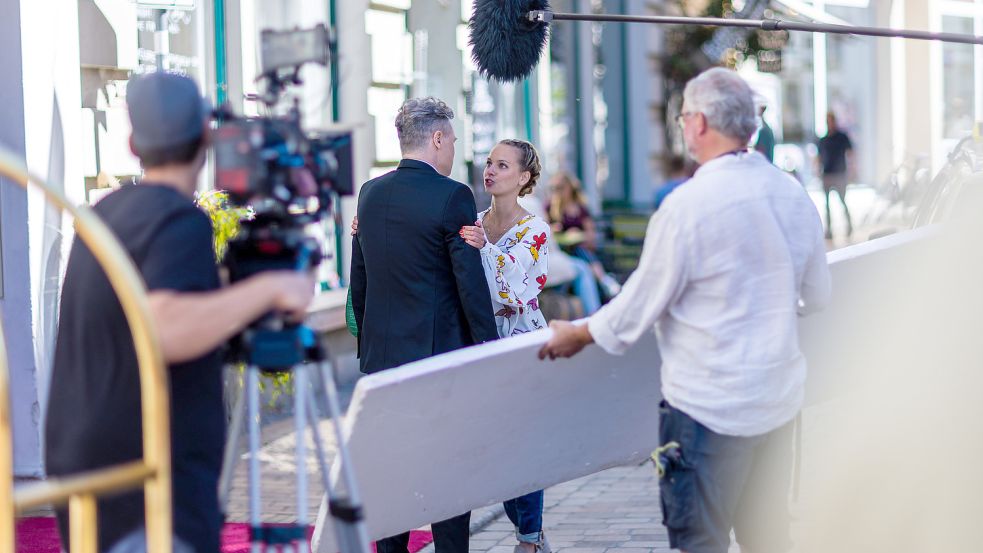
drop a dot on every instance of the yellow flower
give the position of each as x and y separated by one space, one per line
225 219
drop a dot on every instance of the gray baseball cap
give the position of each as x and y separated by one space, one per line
166 110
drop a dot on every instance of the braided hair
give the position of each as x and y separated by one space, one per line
528 161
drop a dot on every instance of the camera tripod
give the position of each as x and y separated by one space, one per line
269 351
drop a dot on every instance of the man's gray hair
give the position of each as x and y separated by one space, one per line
418 119
725 99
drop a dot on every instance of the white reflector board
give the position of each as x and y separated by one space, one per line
434 439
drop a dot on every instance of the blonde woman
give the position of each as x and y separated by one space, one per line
568 212
514 247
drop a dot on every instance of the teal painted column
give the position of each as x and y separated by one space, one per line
626 120
575 90
333 23
221 78
335 116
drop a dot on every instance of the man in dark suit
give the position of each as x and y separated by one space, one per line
417 288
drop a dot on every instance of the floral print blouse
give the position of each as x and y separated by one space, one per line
516 269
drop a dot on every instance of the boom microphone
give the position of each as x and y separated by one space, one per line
506 43
508 36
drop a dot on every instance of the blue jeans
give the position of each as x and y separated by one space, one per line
585 286
526 513
714 482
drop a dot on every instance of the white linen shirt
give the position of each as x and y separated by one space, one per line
730 259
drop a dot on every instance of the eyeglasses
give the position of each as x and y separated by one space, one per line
682 117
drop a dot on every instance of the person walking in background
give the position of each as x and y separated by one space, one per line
418 289
514 246
765 143
836 163
729 262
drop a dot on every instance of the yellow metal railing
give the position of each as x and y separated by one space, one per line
153 472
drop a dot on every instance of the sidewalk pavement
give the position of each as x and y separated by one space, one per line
613 510
618 510
278 477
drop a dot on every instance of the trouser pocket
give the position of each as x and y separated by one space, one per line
677 490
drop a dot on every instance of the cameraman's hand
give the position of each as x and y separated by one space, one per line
292 292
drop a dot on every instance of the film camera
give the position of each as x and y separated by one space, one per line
287 176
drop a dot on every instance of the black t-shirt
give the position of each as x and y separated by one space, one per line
832 152
94 404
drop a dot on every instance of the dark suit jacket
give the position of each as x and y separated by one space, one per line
417 288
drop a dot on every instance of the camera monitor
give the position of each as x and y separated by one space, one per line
293 48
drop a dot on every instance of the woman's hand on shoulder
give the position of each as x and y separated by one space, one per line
474 235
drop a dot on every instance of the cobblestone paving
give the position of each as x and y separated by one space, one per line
614 510
617 509
278 469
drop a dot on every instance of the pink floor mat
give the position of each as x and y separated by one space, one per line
40 535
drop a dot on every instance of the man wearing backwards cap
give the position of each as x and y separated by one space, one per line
94 405
730 260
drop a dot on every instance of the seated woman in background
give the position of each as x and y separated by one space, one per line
573 226
567 271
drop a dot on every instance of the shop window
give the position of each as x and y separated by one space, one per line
392 73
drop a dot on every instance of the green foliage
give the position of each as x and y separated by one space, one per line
684 57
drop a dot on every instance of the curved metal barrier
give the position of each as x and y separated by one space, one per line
153 472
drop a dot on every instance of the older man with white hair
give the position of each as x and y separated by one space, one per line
730 261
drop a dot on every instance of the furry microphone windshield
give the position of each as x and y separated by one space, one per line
506 46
